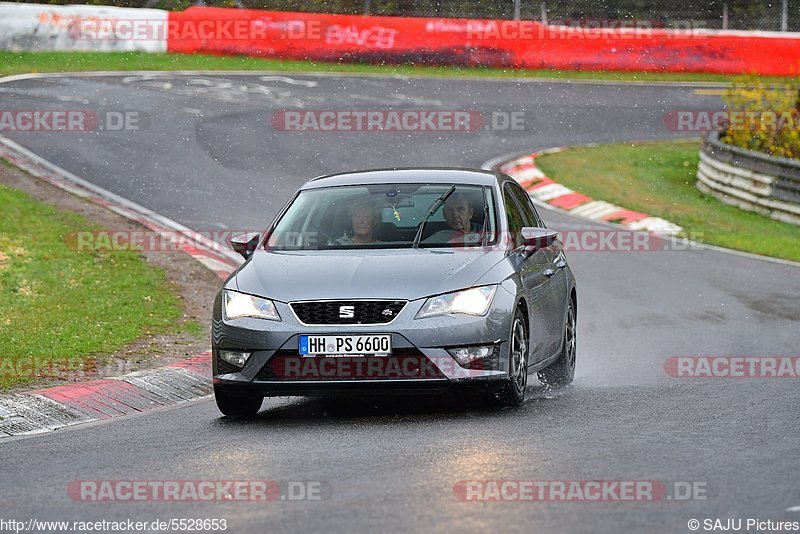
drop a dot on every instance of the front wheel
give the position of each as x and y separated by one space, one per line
562 371
237 406
513 392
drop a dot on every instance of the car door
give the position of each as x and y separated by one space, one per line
559 264
555 299
532 269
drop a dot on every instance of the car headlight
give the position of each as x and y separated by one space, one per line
474 301
236 305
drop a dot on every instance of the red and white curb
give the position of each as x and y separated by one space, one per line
524 170
49 409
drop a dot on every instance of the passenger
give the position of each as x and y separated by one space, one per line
365 218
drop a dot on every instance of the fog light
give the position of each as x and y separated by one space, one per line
466 355
236 358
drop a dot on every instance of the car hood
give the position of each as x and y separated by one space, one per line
391 274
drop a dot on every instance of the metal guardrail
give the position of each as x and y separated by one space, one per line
750 180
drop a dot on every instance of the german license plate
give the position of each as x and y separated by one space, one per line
344 345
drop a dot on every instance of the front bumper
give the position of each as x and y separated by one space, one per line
419 361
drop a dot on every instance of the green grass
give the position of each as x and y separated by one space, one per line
194 328
59 305
659 179
27 62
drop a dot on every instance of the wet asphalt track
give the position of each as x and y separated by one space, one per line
209 158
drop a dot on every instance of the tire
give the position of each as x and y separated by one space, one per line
237 405
513 391
562 371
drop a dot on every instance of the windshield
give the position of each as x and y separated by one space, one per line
387 216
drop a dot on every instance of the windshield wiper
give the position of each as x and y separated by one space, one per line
434 206
484 231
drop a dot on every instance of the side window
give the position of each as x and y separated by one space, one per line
526 206
515 220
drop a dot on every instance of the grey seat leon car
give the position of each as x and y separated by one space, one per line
396 280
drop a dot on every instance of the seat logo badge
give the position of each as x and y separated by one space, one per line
347 312
387 311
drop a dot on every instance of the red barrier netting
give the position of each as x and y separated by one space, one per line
490 43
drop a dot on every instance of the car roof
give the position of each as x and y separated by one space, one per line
408 176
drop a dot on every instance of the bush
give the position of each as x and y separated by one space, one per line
764 118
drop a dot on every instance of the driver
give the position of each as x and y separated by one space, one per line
458 212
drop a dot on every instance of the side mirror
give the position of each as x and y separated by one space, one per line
535 238
245 244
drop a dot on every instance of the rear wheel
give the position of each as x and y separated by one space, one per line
513 392
562 371
237 405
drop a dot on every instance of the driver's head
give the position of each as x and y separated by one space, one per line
458 212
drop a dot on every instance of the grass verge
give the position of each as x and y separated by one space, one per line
59 306
659 179
28 62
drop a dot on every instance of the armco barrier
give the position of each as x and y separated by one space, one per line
750 180
45 27
495 43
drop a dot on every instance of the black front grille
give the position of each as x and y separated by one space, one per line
347 311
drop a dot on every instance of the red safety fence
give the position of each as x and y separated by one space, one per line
491 43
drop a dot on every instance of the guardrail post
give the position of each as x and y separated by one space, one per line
785 16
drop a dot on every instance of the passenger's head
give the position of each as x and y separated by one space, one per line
458 212
365 216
